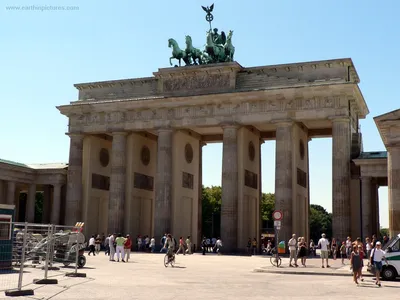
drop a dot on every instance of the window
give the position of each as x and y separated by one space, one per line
5 227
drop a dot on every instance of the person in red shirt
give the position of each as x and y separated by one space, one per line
127 247
362 255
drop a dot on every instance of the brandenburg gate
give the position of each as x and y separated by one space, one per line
135 161
136 146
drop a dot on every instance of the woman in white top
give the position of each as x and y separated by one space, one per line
377 256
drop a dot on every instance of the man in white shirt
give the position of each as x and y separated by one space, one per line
377 255
323 244
292 249
112 247
92 246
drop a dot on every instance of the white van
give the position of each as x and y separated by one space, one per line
391 270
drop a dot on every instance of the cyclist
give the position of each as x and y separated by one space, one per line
170 246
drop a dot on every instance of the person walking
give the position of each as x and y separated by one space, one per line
368 248
92 244
98 244
303 251
355 262
127 247
377 255
334 248
188 245
111 244
120 247
323 244
181 246
152 244
292 249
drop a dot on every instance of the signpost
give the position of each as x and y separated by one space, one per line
278 216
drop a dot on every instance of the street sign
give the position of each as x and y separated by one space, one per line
277 223
278 227
277 215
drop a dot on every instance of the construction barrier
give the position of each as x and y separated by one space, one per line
35 253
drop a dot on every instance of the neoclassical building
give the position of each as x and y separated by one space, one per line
49 179
136 147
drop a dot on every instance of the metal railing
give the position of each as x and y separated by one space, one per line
33 254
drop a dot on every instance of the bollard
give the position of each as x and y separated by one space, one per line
19 291
77 248
49 253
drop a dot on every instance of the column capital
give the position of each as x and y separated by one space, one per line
202 143
230 125
340 119
76 135
283 122
119 133
164 129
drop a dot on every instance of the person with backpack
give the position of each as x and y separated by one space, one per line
377 255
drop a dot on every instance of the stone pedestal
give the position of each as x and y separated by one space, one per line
394 189
55 210
163 184
73 209
284 177
229 208
366 213
341 178
117 183
11 186
30 205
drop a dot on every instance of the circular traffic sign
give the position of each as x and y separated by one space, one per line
277 215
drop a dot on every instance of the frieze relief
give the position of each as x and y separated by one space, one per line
196 82
210 110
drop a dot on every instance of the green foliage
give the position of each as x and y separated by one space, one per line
320 222
384 231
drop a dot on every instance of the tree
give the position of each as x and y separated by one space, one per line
267 208
384 232
211 210
320 222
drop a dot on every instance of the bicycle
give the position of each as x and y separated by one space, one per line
275 260
169 260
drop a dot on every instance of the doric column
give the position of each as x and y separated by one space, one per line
2 199
284 177
116 202
55 210
73 209
394 189
200 206
366 220
30 205
260 197
229 207
11 192
46 204
377 226
163 184
341 178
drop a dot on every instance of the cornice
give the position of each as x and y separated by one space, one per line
114 83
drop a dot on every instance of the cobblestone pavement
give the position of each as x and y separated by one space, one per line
201 277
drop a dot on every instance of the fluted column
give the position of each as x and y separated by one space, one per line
341 178
366 207
30 205
163 184
11 185
377 226
116 203
73 205
229 207
2 198
55 210
284 177
394 189
200 203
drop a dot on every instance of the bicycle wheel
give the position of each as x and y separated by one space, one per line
166 260
276 262
172 261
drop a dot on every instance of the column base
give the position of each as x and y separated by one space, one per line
45 281
17 293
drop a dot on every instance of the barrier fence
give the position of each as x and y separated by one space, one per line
28 252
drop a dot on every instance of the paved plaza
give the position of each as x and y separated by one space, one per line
201 277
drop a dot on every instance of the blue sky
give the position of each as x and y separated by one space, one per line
43 53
